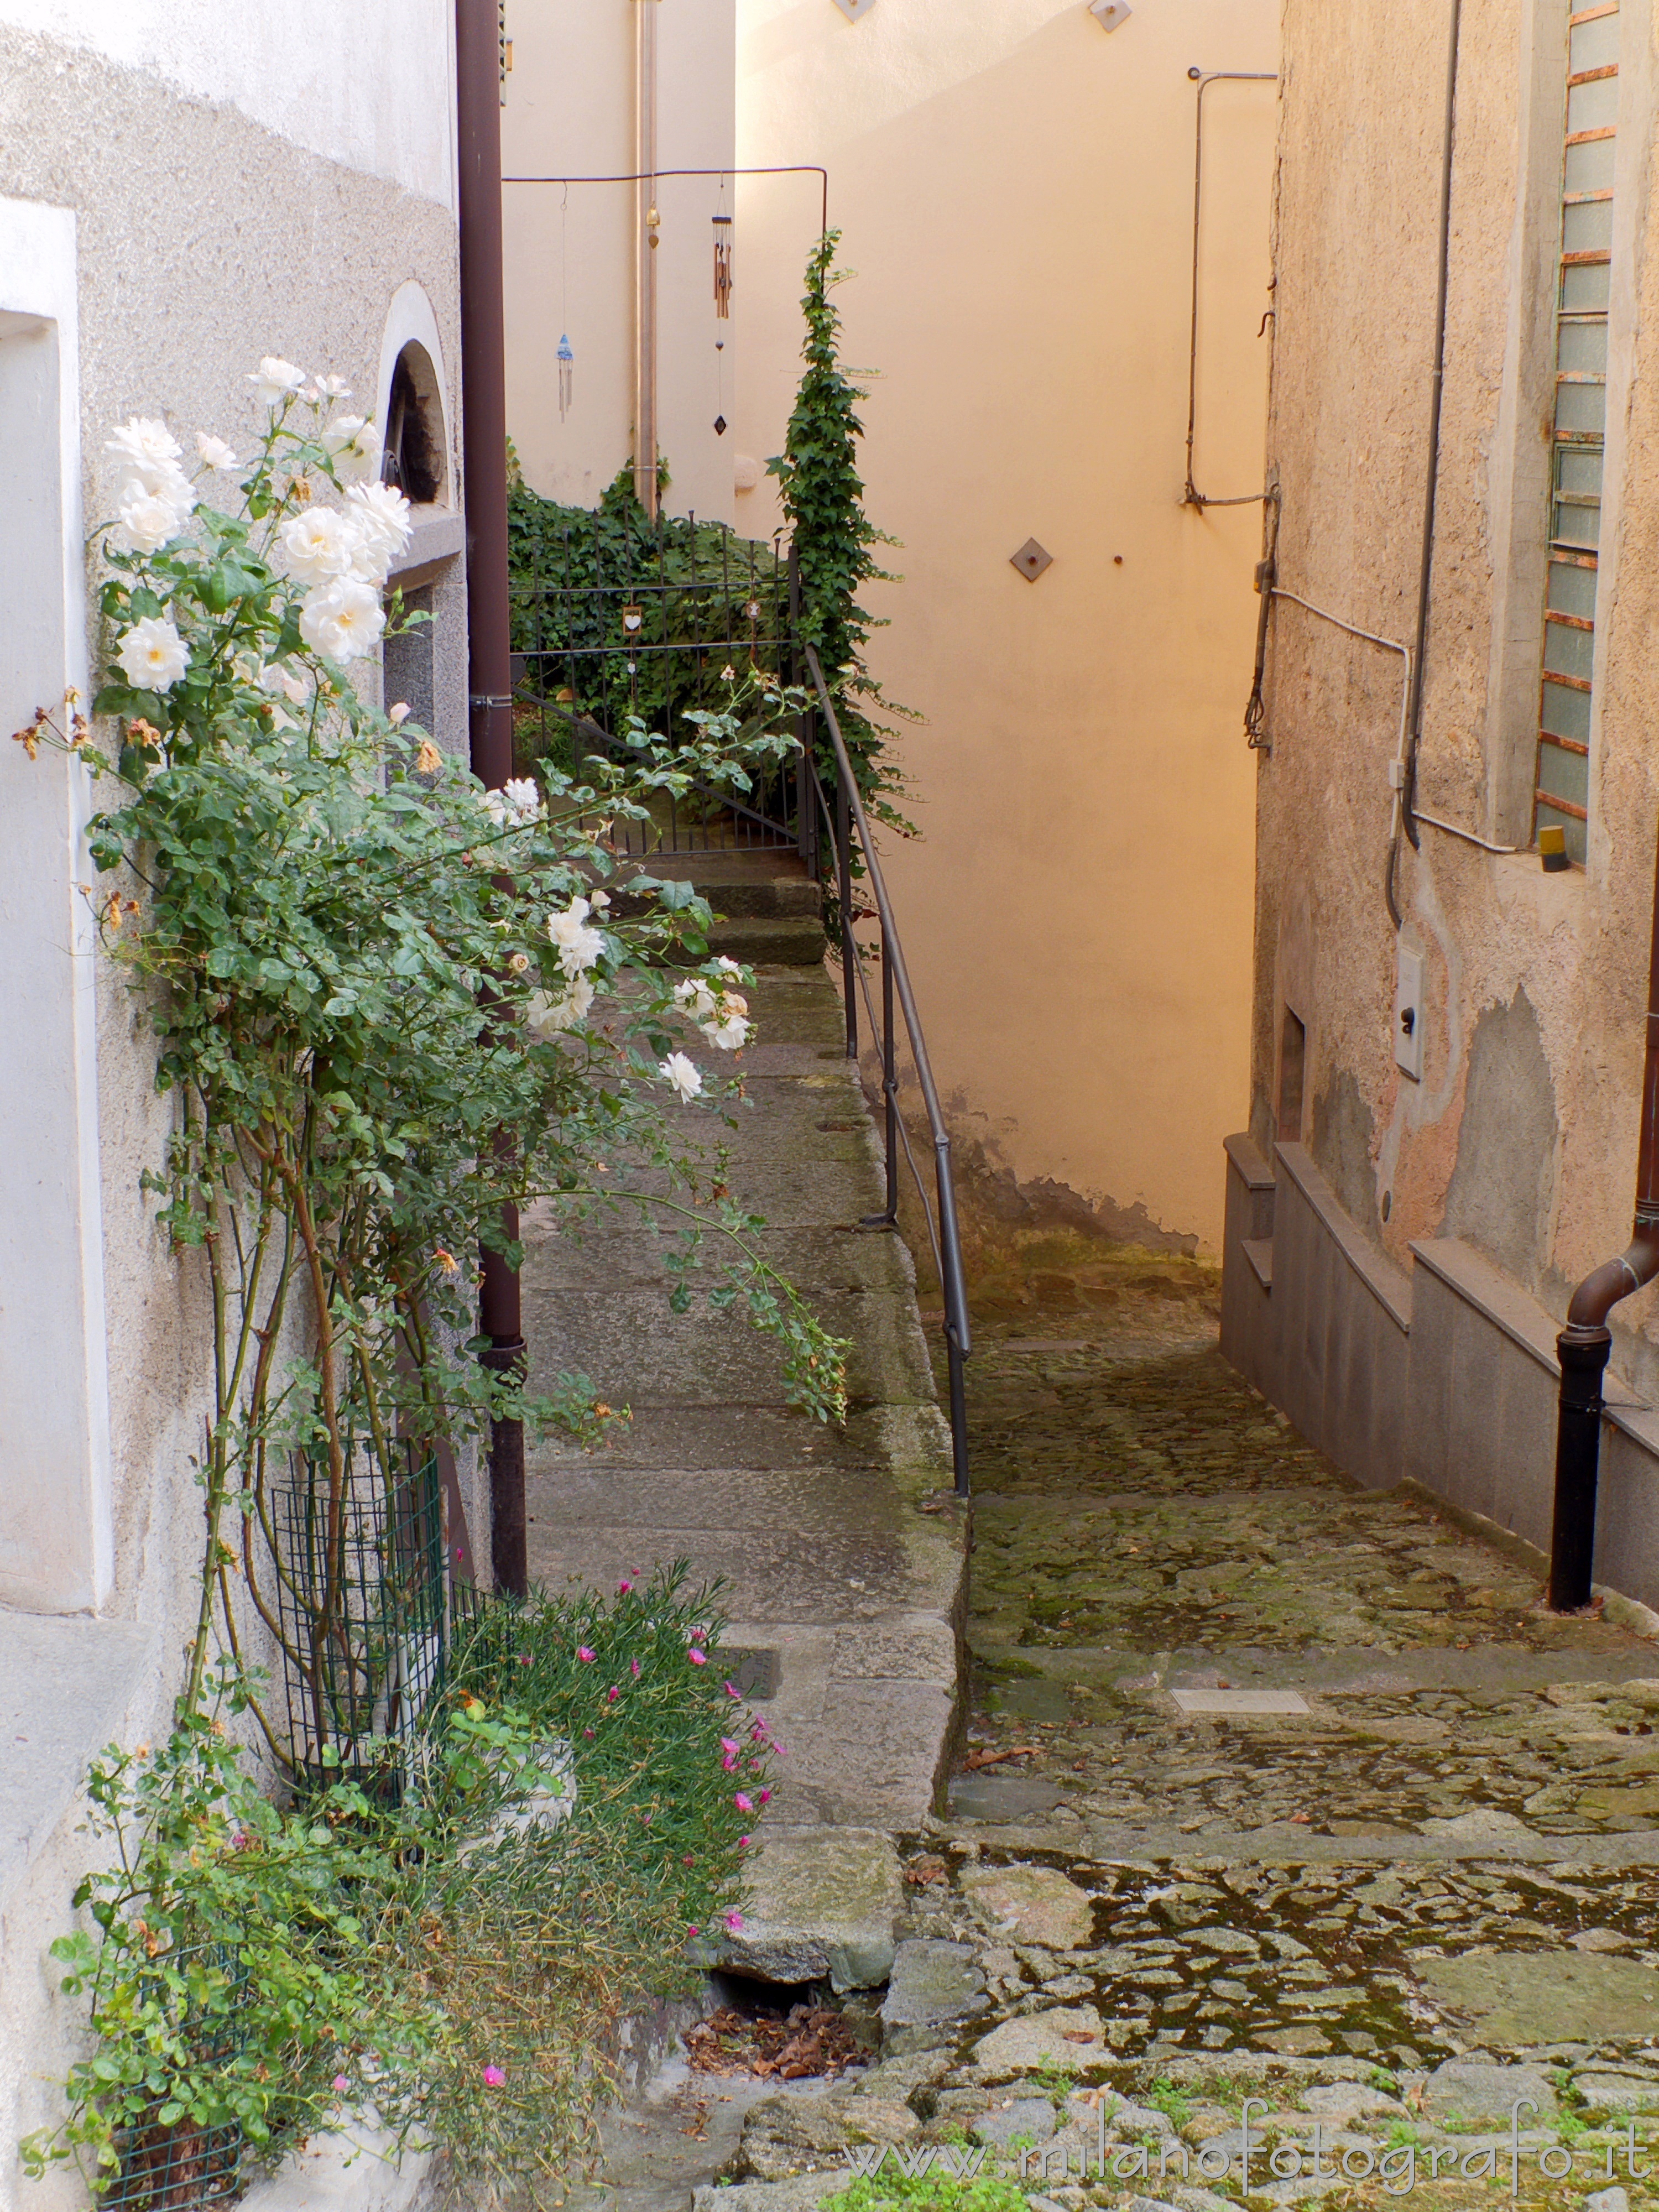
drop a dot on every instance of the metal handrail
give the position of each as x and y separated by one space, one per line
896 981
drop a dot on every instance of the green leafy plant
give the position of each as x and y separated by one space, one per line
456 1953
1175 2104
890 2190
821 493
389 1008
371 984
1056 2078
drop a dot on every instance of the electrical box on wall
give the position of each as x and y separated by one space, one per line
1408 1015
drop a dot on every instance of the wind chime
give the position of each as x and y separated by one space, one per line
722 300
723 259
567 359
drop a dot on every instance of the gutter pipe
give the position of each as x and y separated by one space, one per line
489 640
1584 1345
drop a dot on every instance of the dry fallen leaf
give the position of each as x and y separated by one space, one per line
978 1758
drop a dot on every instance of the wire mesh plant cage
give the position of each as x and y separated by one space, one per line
180 2166
360 1607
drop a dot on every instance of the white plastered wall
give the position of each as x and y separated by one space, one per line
56 1530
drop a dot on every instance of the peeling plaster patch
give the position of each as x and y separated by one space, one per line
1500 1193
1345 1145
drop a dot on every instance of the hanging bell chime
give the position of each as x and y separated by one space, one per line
567 365
723 266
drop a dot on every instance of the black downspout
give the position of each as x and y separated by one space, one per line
490 661
1584 1344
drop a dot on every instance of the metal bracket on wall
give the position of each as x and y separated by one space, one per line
1031 560
1109 14
853 9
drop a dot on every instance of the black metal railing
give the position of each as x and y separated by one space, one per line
648 624
843 821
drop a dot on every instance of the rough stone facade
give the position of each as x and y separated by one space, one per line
1515 1152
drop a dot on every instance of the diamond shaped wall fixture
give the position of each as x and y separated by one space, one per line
1031 560
1109 14
853 9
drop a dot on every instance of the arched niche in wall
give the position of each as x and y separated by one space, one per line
414 410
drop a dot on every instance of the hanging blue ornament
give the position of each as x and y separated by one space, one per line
567 364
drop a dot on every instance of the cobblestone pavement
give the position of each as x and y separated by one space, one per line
1421 1888
1399 1920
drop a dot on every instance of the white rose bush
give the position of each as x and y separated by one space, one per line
388 1003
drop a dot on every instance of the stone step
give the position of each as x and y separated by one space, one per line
773 940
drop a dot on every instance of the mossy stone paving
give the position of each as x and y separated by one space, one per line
1453 1851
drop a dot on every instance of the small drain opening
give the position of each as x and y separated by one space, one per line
780 2030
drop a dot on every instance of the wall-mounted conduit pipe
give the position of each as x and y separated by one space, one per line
1204 79
1426 565
1585 1343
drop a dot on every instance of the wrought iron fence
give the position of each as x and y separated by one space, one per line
637 621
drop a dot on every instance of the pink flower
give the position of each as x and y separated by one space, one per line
765 1796
613 1694
623 1586
692 1928
730 1765
757 1734
743 1843
689 1861
697 1658
585 1654
587 1731
700 1636
777 1749
743 1804
732 1691
493 2078
634 1669
524 1659
340 2084
727 1744
734 1921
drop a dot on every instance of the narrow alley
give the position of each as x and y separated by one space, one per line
1275 1789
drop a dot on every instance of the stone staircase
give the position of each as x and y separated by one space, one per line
842 1553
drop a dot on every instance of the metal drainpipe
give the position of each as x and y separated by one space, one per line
1584 1344
645 255
490 659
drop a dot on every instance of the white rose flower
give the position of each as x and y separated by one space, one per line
683 1074
320 544
380 516
354 445
723 966
579 946
731 1028
274 379
143 444
694 999
335 387
152 656
148 519
214 453
516 804
343 620
549 1015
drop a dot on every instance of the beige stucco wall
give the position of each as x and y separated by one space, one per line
1522 1136
203 240
1015 190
